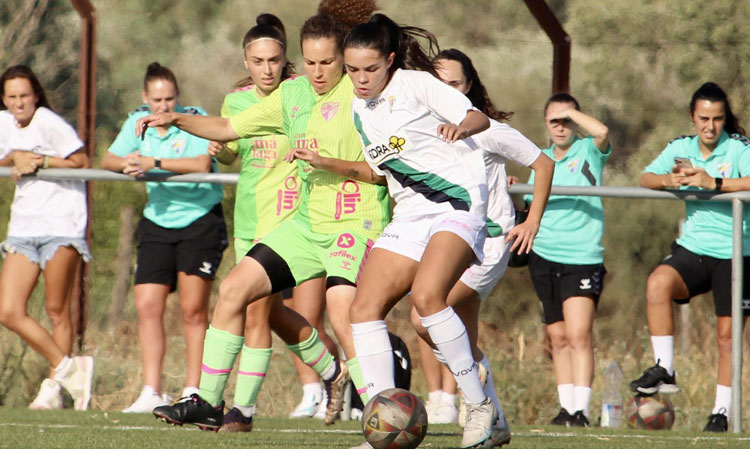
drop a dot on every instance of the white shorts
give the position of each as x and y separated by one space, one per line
483 278
409 238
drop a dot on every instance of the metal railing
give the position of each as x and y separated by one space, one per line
737 199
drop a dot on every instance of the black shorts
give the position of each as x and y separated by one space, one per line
702 274
195 249
555 282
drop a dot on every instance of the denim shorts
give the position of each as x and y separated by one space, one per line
40 250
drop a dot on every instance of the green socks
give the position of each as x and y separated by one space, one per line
253 368
314 353
220 348
355 371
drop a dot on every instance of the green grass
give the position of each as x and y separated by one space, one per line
69 429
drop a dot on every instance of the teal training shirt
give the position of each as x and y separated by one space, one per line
572 227
170 204
707 230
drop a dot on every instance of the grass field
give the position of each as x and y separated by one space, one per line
21 428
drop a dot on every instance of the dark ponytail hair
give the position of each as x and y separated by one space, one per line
23 71
156 71
335 18
477 93
383 34
562 97
270 27
712 92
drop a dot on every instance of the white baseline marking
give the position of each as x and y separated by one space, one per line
530 434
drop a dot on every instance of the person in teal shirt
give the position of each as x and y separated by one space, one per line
716 158
181 237
566 261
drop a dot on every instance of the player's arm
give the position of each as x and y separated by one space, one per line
357 170
474 122
221 152
211 128
523 235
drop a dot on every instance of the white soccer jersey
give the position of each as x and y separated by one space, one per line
399 132
498 143
41 207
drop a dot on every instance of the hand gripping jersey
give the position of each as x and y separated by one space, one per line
708 225
268 189
329 203
572 226
399 132
498 143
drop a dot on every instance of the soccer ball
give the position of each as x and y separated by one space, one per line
653 412
394 419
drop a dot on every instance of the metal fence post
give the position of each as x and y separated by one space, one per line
737 262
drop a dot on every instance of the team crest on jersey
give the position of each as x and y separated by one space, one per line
329 110
397 143
178 146
724 168
573 165
391 100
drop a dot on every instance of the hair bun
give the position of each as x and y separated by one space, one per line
267 19
349 12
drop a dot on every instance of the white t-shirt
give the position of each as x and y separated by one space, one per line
41 207
498 143
399 132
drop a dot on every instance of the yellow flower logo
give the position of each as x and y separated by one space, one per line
397 143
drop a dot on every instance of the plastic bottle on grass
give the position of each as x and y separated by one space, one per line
611 398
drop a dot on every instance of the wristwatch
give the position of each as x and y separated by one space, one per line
157 162
719 182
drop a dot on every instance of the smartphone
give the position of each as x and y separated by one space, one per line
683 162
144 127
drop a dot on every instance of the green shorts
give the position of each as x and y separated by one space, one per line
337 257
241 247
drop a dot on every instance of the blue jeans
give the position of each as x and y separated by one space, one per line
40 250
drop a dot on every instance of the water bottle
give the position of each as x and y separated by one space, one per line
611 398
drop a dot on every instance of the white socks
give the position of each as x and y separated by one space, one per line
664 351
247 411
566 393
489 389
314 389
63 368
582 398
723 400
448 333
375 355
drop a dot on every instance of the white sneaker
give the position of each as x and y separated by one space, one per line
483 374
500 435
309 406
444 414
49 396
480 420
147 401
77 380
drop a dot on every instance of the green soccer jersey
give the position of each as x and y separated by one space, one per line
268 189
707 230
572 227
329 203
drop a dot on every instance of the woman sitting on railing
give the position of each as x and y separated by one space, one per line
181 237
701 260
46 233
